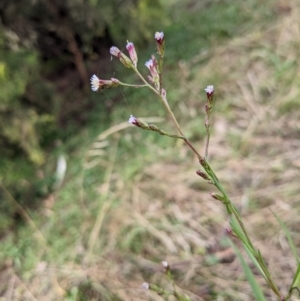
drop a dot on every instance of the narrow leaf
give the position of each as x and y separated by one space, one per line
257 292
288 236
250 251
255 262
296 280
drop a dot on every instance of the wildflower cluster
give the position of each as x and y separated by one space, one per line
154 83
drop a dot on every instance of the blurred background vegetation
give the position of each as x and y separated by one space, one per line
95 232
48 51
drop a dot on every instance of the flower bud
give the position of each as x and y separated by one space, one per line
115 51
135 121
210 99
152 66
203 162
132 53
202 175
124 59
160 43
217 197
150 79
231 232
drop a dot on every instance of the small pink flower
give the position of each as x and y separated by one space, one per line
132 53
209 90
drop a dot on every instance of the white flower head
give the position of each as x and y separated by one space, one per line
129 45
165 264
159 36
95 83
132 119
209 89
145 286
149 64
115 51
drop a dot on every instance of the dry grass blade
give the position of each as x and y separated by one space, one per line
104 202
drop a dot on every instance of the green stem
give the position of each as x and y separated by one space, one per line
146 83
134 86
207 141
169 111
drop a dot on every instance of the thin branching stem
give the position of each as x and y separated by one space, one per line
163 101
146 83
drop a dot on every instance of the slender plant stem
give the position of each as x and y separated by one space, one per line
134 86
146 83
207 141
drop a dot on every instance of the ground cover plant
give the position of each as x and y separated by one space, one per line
110 226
